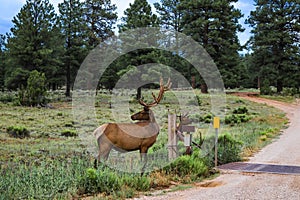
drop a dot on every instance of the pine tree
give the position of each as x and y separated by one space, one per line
138 15
170 18
34 43
74 29
276 27
3 60
214 24
100 16
170 15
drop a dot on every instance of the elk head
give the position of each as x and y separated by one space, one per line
146 113
183 120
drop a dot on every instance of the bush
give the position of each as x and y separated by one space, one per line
192 166
7 97
95 181
237 118
195 117
18 131
137 182
240 115
69 133
110 182
229 149
207 118
290 91
240 110
35 92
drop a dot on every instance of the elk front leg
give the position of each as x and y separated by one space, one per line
144 158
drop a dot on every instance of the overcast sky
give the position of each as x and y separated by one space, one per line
10 8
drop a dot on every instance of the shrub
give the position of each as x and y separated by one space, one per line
35 92
137 182
229 149
192 166
207 118
197 101
195 117
103 181
6 97
237 118
18 131
69 133
110 182
240 110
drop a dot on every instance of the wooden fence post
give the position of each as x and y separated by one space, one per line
172 140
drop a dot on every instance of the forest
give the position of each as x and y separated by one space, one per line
51 46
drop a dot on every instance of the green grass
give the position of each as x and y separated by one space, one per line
286 99
50 166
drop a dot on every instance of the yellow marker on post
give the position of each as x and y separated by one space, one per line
216 122
216 126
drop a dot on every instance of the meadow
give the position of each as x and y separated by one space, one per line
51 162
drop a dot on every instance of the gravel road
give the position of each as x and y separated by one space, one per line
260 186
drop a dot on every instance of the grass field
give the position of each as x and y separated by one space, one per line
49 165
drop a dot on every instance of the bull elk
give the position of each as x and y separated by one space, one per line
126 137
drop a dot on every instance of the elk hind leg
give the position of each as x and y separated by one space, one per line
104 150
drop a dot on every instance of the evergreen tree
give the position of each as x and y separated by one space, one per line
138 15
74 29
35 92
214 24
170 18
276 27
100 16
170 15
34 43
3 60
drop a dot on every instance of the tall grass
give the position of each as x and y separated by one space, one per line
49 179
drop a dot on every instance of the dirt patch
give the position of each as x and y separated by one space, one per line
210 183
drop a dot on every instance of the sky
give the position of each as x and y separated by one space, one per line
10 8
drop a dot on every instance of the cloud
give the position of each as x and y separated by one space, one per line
246 7
8 10
121 6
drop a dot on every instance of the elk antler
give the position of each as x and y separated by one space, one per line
184 119
160 94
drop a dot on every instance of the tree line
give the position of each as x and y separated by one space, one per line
55 44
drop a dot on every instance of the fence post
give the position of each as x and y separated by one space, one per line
172 140
216 126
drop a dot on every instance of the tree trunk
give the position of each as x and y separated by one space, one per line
139 93
204 88
279 86
68 83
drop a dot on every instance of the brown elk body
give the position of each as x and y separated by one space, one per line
126 137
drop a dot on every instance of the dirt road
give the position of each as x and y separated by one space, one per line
242 186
